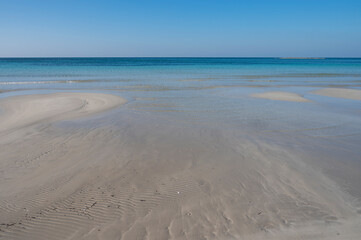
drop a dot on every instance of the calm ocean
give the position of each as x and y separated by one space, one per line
175 73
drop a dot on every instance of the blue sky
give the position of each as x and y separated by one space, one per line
230 28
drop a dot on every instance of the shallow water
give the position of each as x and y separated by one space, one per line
211 92
198 114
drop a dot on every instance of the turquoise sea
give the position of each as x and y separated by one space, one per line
175 73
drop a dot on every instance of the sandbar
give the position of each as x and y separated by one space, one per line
281 96
354 94
21 111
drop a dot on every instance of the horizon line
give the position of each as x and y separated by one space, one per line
277 57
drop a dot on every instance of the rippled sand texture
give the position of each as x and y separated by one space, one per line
122 176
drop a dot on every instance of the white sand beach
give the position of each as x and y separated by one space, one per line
154 180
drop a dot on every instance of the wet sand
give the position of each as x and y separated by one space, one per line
122 176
